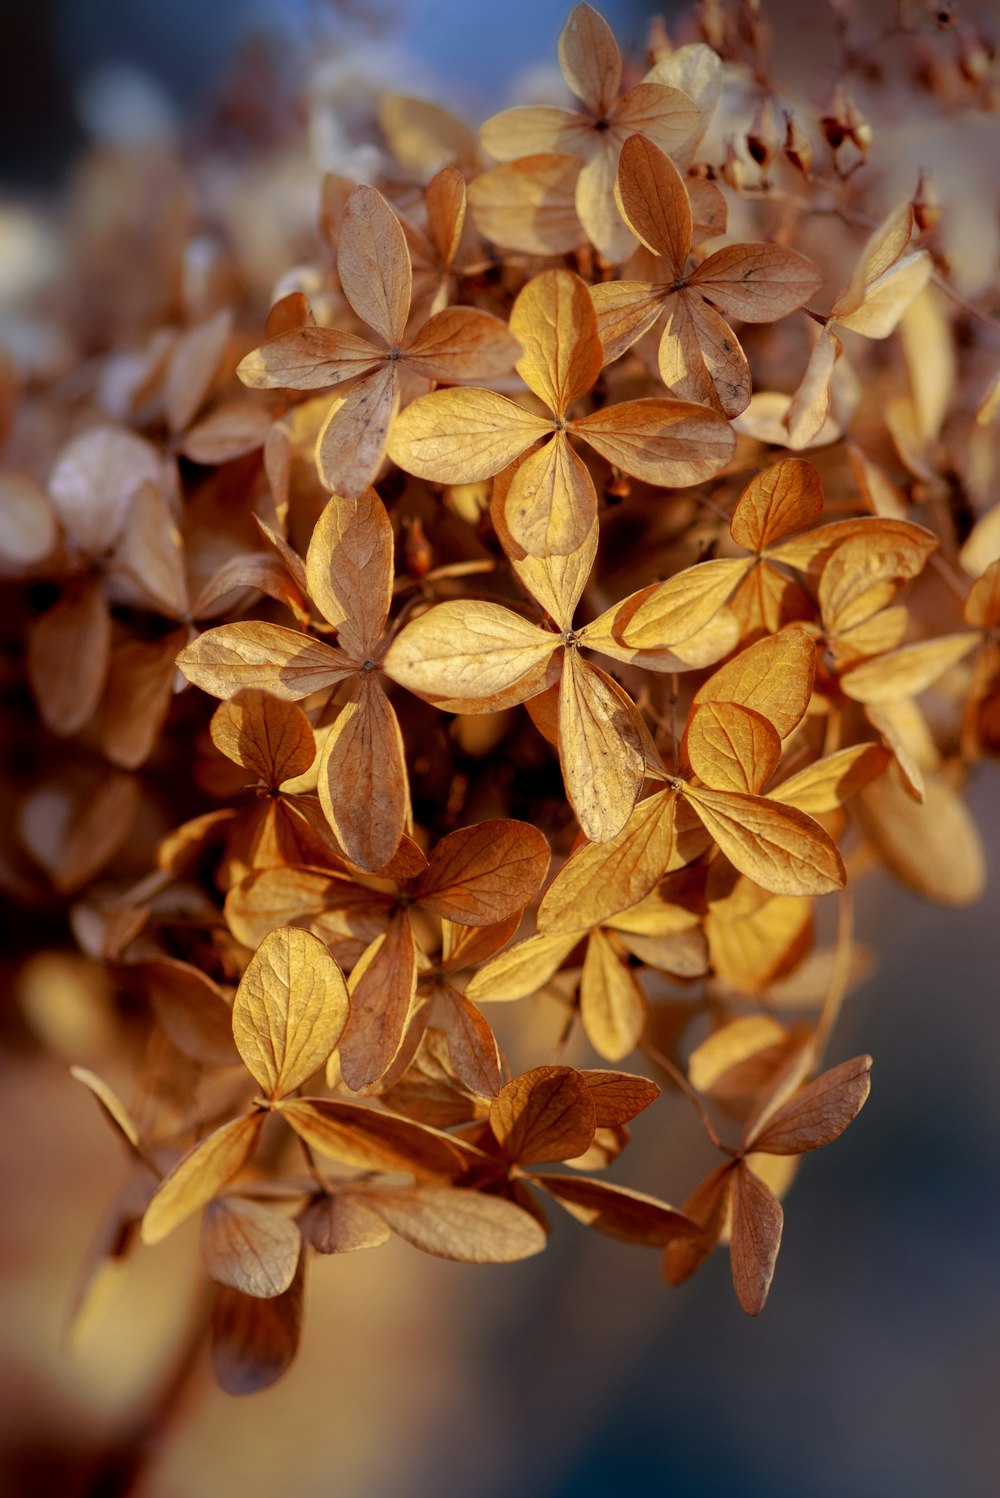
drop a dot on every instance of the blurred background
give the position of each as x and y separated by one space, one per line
874 1368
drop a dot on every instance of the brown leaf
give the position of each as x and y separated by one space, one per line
381 988
530 205
482 874
255 1341
137 697
618 1096
473 649
544 1114
189 1006
653 201
756 282
270 737
817 1114
251 1248
669 443
289 1011
351 444
617 1211
94 480
707 1205
362 777
69 649
472 1046
757 1224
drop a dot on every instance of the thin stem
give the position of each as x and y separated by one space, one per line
677 1076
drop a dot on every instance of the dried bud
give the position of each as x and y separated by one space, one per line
858 127
834 122
926 204
734 170
975 57
419 557
762 138
798 148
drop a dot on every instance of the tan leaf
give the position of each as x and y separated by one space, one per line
601 741
707 1205
521 970
251 1248
601 879
786 497
700 358
933 847
194 363
554 321
756 282
827 784
137 697
271 738
289 1011
382 986
200 1174
149 558
617 1211
464 1225
906 672
589 58
349 567
468 648
730 1045
482 874
536 131
422 135
342 1223
673 611
69 649
28 526
189 1007
888 296
612 1003
625 310
373 264
551 503
362 777
461 435
270 657
757 1224
462 343
753 936
472 1047
618 1096
779 848
229 431
94 480
545 1114
309 358
530 205
351 444
731 747
556 581
668 443
371 1140
110 1104
653 201
773 677
72 831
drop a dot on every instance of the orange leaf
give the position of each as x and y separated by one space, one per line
545 1114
